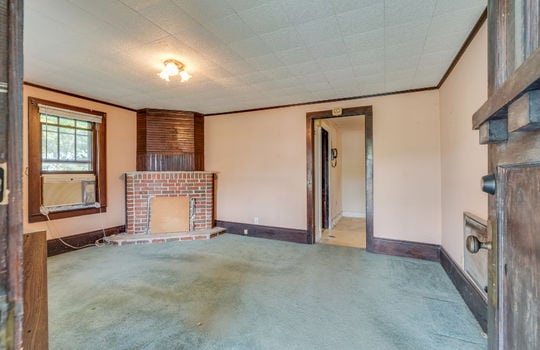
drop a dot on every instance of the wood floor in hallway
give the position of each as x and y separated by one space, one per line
348 232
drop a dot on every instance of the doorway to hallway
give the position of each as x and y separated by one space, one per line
342 172
340 215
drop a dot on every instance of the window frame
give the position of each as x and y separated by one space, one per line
99 162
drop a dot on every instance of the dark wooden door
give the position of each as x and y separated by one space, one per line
11 20
510 123
325 186
520 256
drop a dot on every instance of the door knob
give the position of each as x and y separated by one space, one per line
489 184
474 245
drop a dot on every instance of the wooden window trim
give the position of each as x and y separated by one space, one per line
34 163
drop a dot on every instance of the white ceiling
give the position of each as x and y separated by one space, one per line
242 53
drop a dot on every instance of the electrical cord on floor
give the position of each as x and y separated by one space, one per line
52 229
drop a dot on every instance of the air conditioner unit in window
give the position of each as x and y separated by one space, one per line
60 192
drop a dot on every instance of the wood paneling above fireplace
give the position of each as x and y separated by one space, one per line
170 140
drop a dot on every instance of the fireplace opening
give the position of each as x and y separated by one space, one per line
170 214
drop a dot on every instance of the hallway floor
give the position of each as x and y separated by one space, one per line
236 292
348 232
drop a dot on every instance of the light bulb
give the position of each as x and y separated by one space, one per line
163 75
171 69
185 76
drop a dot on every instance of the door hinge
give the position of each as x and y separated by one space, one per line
3 87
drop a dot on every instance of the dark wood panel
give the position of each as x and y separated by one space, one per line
169 140
497 44
417 250
269 232
170 133
166 162
470 294
55 246
524 113
531 35
368 126
11 229
520 250
525 78
199 141
513 70
493 131
35 324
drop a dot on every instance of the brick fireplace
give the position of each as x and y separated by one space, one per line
170 161
141 185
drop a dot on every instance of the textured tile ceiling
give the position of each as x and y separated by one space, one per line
242 53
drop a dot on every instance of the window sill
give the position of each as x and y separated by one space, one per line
38 217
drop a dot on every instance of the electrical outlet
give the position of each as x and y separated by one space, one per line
256 220
245 231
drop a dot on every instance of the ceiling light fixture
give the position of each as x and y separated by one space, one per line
173 67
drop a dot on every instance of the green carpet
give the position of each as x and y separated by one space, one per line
236 292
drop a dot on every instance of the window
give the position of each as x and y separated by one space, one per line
66 144
66 160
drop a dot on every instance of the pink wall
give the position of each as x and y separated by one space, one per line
354 171
260 158
463 159
121 147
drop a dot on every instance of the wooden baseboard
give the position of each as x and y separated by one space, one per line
55 246
269 232
470 294
424 251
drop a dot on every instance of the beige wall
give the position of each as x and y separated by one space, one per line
463 160
353 174
121 157
261 161
335 172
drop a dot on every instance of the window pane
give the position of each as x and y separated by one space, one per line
67 144
51 137
52 166
83 125
52 120
84 148
43 144
67 122
83 132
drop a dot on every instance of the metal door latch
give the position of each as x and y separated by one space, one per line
4 192
474 245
